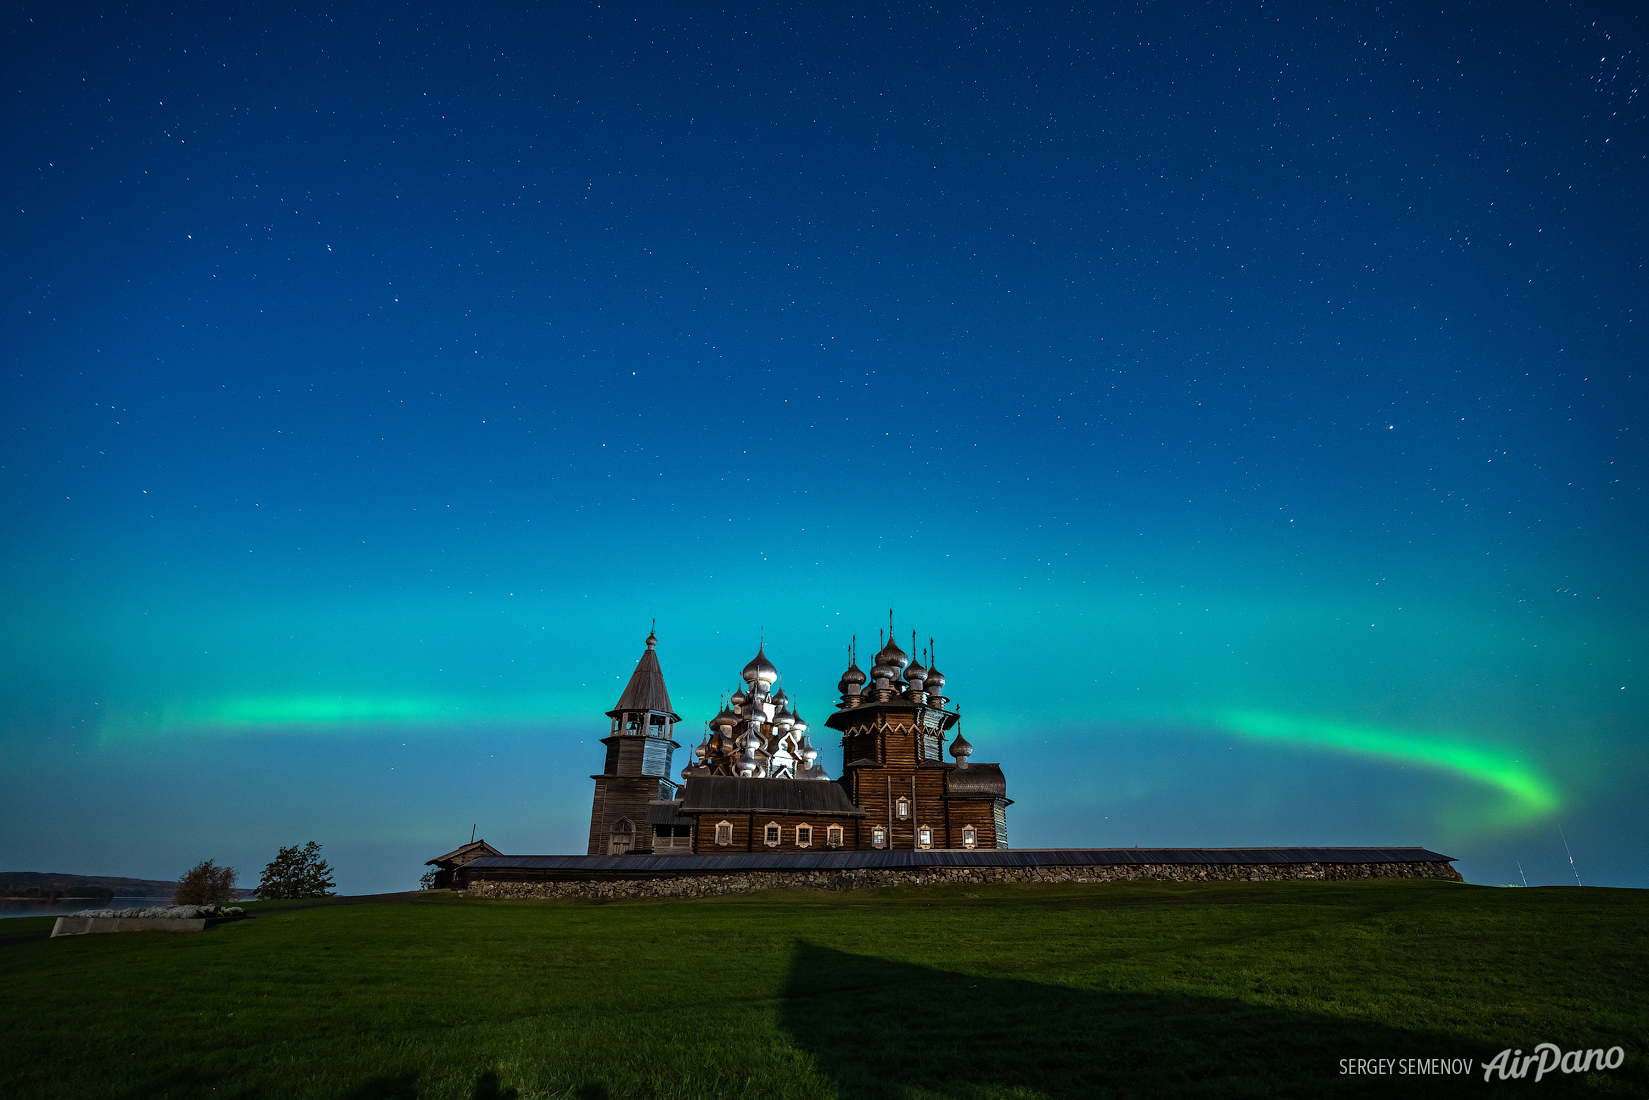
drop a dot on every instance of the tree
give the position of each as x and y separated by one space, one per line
297 873
205 884
427 882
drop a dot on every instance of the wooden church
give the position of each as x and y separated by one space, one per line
755 783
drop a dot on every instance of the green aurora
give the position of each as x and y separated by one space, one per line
1526 794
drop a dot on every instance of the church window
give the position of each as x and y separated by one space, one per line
903 809
878 837
771 834
970 836
724 832
833 836
924 837
804 836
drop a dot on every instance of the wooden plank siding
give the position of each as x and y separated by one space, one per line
621 796
980 813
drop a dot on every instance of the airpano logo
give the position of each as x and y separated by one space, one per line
1549 1058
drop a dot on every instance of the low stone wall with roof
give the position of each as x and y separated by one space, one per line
698 886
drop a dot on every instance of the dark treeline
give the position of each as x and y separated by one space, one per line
54 893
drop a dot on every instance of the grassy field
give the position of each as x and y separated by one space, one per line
1148 989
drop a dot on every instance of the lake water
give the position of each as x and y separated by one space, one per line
11 907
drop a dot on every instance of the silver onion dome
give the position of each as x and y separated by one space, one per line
891 656
760 669
961 750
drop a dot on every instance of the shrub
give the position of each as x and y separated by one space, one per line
297 873
428 881
205 884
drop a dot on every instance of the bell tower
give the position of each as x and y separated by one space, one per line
640 745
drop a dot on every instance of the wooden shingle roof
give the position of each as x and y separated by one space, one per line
646 690
726 794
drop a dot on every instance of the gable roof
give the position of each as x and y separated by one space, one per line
730 794
473 850
646 691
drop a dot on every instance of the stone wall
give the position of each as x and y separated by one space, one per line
698 886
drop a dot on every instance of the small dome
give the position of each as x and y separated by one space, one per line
784 719
725 718
960 748
760 669
916 673
738 700
852 680
798 724
935 681
891 655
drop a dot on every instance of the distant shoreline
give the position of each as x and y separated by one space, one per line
36 885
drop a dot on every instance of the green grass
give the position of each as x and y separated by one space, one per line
1143 989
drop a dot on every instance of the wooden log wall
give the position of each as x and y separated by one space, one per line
749 830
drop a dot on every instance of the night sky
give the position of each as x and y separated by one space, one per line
1248 399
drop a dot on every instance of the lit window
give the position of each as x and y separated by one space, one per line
878 837
970 836
833 836
804 836
724 832
903 810
771 837
924 837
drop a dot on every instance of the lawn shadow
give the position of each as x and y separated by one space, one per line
881 1029
488 1087
401 1086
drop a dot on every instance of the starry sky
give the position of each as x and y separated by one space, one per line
1247 398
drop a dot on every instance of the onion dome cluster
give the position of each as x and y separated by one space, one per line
893 675
758 733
